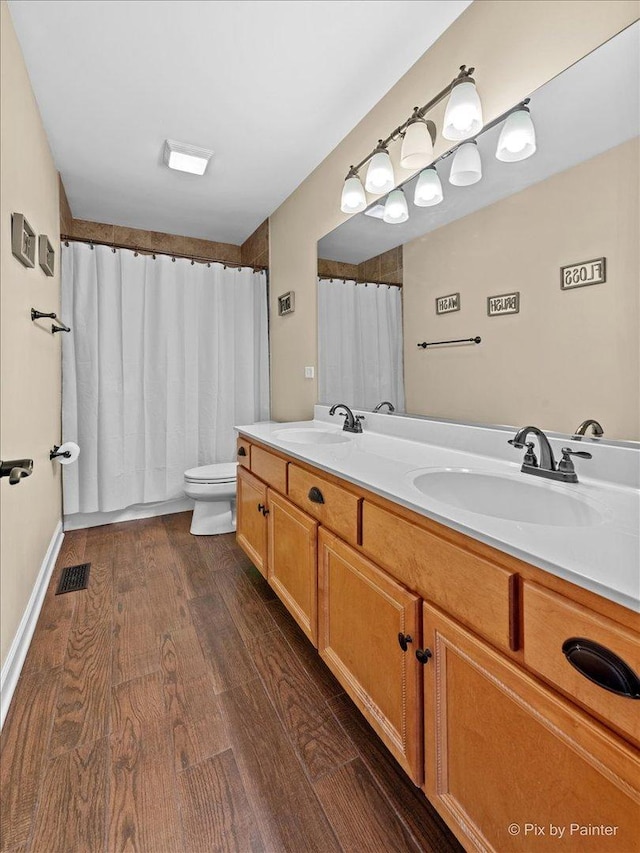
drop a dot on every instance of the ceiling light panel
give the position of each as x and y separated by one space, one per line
186 158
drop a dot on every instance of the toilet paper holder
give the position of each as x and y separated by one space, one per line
53 454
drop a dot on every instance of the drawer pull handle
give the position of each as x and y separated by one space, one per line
404 640
242 451
602 666
315 495
262 508
423 655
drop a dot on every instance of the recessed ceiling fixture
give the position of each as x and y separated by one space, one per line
186 158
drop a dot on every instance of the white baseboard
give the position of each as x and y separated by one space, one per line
81 520
20 645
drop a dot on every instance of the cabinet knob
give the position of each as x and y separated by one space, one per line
261 508
315 495
242 451
423 655
602 666
404 640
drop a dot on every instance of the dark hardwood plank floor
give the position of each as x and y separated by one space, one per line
174 706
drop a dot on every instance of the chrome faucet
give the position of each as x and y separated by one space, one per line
352 423
563 471
392 408
596 429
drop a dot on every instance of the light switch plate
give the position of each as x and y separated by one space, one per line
309 372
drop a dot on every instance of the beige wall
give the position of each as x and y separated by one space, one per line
30 356
567 355
516 47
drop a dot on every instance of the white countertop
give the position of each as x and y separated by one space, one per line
603 557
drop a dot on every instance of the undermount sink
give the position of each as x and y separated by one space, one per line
507 497
311 436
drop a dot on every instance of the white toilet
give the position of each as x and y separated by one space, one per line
213 488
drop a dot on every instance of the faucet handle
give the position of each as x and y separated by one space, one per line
566 463
530 457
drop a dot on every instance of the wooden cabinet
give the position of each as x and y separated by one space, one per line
270 468
292 565
550 621
333 506
506 757
361 613
251 525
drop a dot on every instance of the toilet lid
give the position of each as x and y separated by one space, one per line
222 472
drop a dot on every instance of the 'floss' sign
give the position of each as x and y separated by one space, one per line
583 274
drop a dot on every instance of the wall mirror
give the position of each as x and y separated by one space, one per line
566 354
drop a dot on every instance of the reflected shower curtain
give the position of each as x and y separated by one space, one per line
163 359
360 344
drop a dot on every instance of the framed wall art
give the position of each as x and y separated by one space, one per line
23 240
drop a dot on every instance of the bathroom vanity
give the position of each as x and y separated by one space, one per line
465 633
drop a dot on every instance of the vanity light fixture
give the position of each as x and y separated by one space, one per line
417 144
380 178
463 115
518 136
354 198
186 158
395 209
428 191
466 168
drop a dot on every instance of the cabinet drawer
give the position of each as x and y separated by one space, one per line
549 621
333 506
244 453
479 593
270 468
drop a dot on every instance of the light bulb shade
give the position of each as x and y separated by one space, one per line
417 147
395 209
380 178
463 115
428 189
517 138
466 168
353 196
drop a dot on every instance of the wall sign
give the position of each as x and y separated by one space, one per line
23 240
46 254
287 303
504 303
446 304
583 274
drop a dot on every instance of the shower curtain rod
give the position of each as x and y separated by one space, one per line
368 281
153 252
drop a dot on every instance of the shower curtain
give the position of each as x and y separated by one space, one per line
164 357
360 344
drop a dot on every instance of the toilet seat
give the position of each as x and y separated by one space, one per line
221 472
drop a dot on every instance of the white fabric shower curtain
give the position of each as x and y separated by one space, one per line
164 357
360 344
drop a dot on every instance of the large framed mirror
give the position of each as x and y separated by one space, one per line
558 350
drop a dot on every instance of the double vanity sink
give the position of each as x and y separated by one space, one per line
470 479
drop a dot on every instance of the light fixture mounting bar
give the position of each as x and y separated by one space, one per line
418 113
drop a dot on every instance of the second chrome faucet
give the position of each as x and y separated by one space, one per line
352 423
564 471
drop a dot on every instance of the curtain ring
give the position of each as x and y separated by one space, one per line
153 256
135 253
113 249
91 246
66 242
192 262
173 260
208 265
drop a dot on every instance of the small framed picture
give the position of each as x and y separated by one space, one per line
504 303
287 303
23 240
46 254
447 304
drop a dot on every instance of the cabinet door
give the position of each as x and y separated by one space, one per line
293 573
361 613
513 767
251 526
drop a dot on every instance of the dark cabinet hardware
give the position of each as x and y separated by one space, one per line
404 640
423 655
602 666
242 451
53 454
38 315
16 469
263 509
315 495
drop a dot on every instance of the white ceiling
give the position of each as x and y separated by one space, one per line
271 86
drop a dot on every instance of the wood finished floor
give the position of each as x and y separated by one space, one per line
175 707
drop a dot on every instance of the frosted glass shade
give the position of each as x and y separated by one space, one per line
428 189
353 196
463 116
380 178
417 147
396 210
466 168
517 138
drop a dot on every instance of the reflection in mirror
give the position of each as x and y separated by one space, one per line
554 352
